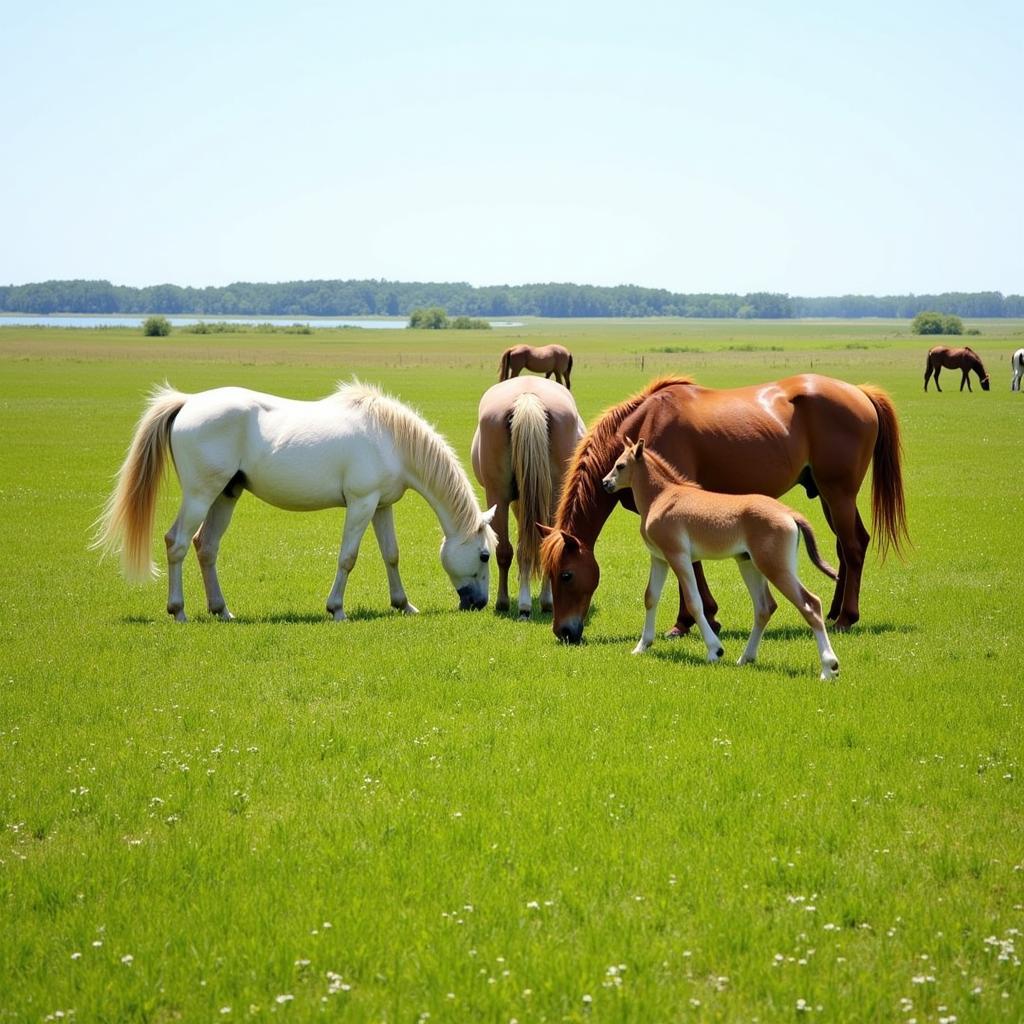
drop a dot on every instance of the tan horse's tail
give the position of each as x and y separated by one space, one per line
126 524
811 543
503 365
888 507
531 467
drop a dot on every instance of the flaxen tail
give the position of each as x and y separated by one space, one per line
811 543
888 507
503 365
126 524
531 467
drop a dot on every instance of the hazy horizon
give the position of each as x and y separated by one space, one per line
873 150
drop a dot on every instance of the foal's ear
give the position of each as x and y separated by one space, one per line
638 452
629 441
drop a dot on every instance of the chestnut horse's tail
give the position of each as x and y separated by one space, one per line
811 543
126 524
888 507
503 365
531 467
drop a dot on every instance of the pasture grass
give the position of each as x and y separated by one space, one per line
284 817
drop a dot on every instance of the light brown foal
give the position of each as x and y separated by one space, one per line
681 523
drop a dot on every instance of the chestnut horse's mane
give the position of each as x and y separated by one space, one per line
583 477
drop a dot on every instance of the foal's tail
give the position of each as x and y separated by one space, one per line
811 543
503 365
126 524
888 508
531 467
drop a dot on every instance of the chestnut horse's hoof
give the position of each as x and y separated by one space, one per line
844 623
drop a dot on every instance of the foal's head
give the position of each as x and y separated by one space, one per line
621 475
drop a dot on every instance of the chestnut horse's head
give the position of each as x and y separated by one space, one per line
574 574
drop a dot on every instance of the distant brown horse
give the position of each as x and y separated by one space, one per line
526 432
549 359
964 359
816 431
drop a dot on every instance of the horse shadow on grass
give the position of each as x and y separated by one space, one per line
272 618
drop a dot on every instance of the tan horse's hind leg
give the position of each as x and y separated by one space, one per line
207 545
809 606
764 607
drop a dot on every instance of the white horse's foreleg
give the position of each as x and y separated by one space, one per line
764 607
652 595
178 538
357 519
682 566
207 544
525 571
384 529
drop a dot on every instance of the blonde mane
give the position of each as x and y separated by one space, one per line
422 446
583 477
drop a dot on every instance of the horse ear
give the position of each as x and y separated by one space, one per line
545 531
639 450
629 441
572 545
489 515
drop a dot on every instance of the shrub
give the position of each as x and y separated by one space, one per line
973 331
952 325
469 323
930 322
156 327
433 318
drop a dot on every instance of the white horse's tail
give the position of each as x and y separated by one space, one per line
126 524
531 467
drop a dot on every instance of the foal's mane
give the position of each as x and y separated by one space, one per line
422 446
589 464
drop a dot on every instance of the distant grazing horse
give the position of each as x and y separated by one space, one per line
816 431
527 430
681 522
549 359
1017 365
964 359
357 448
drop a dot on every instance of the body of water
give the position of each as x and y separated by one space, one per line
84 320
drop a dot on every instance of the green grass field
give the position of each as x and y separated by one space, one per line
451 815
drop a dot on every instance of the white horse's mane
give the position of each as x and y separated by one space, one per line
431 454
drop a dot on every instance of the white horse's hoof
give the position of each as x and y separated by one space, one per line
410 609
829 672
524 614
744 660
339 616
180 616
715 655
224 615
641 648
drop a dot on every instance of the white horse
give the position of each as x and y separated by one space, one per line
357 448
1017 365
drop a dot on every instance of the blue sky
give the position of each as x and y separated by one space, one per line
801 147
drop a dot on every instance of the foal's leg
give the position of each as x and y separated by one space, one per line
684 620
652 595
194 508
810 608
357 519
384 529
207 544
764 607
684 570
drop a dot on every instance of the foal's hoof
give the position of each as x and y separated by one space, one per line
744 660
676 632
338 616
410 609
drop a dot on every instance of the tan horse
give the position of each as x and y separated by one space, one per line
550 359
525 436
682 523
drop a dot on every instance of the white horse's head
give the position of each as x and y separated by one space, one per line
467 560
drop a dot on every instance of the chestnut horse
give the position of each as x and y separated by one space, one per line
549 359
681 521
526 432
816 431
964 359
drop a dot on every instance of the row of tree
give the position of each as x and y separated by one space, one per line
396 298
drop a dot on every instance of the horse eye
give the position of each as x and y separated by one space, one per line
565 576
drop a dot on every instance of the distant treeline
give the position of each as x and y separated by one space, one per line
395 298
